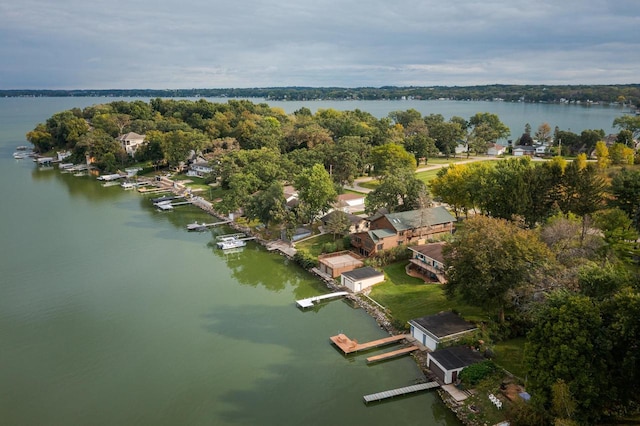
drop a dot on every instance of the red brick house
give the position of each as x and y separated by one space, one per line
394 229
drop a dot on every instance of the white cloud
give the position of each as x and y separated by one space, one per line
201 43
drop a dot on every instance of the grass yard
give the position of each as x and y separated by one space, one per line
408 297
428 175
510 356
314 245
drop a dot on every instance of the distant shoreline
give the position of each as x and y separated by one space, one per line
620 94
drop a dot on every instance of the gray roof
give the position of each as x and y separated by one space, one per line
378 234
456 357
443 324
413 219
363 273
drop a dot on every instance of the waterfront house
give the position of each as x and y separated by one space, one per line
427 260
130 142
334 264
199 168
387 230
361 278
433 330
447 363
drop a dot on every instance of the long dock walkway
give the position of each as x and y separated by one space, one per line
393 354
400 391
349 346
307 303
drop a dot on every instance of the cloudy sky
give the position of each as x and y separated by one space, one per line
159 44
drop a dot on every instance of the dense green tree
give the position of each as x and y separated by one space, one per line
625 188
404 118
399 191
338 223
583 190
545 190
569 342
66 129
628 122
446 135
488 259
492 128
391 158
602 281
315 191
41 139
507 193
346 159
450 187
268 206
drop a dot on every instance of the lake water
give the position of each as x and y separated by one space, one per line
111 313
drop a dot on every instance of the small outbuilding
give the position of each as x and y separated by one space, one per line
432 330
336 263
448 363
361 278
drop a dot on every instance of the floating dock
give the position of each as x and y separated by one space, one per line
393 354
400 391
307 303
349 346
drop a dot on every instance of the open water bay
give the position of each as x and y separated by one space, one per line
111 313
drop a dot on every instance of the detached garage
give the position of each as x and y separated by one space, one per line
434 329
448 363
361 278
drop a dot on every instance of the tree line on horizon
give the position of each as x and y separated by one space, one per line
621 94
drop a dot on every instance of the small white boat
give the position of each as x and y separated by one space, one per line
18 155
128 185
226 243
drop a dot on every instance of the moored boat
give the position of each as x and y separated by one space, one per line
226 243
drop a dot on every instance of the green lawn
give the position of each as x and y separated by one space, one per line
314 245
510 356
407 297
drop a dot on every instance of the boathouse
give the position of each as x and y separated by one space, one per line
447 363
445 326
361 278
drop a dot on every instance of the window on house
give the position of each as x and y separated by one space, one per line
380 246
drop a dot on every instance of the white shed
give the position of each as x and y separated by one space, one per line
361 278
434 329
448 363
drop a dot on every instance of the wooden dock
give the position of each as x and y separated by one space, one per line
393 354
307 303
400 391
349 346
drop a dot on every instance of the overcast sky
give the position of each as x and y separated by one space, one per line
160 44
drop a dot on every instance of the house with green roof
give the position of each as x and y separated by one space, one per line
387 230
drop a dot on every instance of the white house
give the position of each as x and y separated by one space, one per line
521 150
130 142
349 202
541 149
496 149
442 327
447 363
199 169
361 278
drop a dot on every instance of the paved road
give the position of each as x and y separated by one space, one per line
358 188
